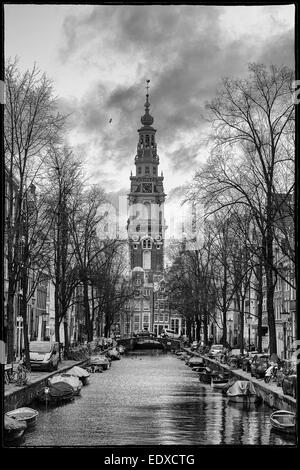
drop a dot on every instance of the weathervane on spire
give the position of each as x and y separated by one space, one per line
147 86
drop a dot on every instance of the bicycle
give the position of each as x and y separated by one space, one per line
20 377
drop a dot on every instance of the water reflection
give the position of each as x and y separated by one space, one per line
152 399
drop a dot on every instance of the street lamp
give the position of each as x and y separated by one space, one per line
284 318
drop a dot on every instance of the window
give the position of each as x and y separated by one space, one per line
146 318
156 318
139 170
135 246
147 243
152 140
147 170
161 317
137 282
147 141
136 319
166 317
154 170
147 260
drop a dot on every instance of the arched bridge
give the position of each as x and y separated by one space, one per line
149 341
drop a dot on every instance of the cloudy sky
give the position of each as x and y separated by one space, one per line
99 58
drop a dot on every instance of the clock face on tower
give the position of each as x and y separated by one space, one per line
147 188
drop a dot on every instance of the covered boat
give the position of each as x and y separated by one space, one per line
114 354
206 375
79 372
13 428
219 381
121 349
99 361
242 391
69 379
195 362
29 415
55 393
283 421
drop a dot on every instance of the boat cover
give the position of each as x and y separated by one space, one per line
78 372
60 389
69 379
11 424
241 387
196 360
22 413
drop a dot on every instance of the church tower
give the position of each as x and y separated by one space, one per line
146 223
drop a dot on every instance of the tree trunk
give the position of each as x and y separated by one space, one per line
66 335
10 327
260 307
205 333
86 306
242 318
270 291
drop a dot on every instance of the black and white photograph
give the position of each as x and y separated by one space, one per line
149 226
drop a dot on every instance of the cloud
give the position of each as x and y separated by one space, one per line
184 50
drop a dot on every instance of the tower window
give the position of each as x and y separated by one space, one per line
139 170
154 170
147 243
152 141
147 170
147 141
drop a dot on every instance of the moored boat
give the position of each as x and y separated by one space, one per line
219 381
100 361
206 375
114 354
242 391
13 428
195 362
29 415
69 379
81 373
283 421
56 393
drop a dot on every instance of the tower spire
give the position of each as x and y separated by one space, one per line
147 119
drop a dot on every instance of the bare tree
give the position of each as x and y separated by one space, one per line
31 125
253 122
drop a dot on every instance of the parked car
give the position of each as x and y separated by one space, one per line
259 365
44 355
289 385
215 350
194 345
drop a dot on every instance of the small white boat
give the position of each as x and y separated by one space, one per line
29 415
13 429
284 421
242 391
69 379
79 372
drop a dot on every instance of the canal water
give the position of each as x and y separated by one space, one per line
152 398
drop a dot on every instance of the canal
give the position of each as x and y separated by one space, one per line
151 398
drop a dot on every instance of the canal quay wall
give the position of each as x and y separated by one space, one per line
269 393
